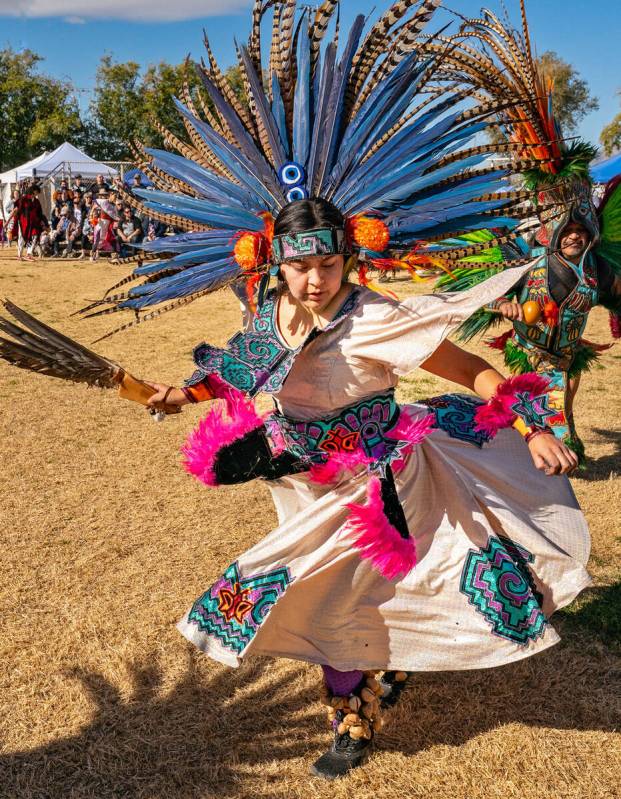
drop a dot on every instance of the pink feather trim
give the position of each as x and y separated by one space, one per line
337 465
375 537
218 430
496 414
412 431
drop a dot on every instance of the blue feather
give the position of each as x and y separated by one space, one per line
263 110
278 110
301 106
247 173
333 118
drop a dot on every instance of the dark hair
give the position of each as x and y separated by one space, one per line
304 215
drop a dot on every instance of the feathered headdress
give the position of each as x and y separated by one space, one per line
362 126
497 60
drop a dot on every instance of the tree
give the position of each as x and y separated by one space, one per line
126 103
37 112
610 136
572 99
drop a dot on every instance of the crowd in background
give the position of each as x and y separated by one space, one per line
84 220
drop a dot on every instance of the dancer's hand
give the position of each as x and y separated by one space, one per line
166 398
552 456
512 311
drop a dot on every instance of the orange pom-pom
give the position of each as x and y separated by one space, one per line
369 233
251 250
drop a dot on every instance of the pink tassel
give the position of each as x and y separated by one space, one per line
615 325
496 414
378 541
216 431
337 464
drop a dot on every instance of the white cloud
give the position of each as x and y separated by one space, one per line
76 11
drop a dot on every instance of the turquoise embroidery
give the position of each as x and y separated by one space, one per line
498 583
234 608
259 360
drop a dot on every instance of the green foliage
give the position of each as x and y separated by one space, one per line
610 137
576 161
37 112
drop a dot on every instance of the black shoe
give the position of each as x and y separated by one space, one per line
344 755
391 688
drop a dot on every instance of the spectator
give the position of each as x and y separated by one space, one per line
78 185
129 232
10 217
74 236
137 181
100 183
88 229
155 229
78 208
62 198
60 230
63 193
45 240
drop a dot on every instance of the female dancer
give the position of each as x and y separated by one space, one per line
496 551
409 539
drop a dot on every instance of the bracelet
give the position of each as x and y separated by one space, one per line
538 431
168 390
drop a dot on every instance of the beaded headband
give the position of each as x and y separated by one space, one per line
320 241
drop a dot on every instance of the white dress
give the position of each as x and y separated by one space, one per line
500 546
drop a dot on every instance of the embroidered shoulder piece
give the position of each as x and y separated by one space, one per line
259 360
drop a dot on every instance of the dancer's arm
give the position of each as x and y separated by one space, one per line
179 396
460 366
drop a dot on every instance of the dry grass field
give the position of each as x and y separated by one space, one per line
105 543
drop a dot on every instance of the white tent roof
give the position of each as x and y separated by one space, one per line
67 156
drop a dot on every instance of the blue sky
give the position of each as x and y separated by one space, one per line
71 37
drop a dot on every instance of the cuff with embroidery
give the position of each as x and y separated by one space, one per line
524 398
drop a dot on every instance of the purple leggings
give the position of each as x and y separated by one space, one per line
341 683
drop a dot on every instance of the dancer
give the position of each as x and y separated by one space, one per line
412 538
29 220
577 252
566 282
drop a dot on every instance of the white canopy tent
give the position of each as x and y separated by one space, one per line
64 161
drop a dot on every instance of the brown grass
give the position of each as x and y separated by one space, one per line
105 543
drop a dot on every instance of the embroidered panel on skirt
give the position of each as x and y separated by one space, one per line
498 583
234 608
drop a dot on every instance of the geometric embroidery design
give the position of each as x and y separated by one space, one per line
234 608
534 411
455 415
498 583
258 360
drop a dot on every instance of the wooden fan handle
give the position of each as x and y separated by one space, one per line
130 388
135 390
